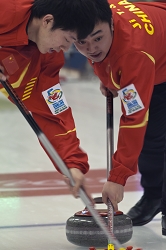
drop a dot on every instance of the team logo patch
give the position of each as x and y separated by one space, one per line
131 99
55 99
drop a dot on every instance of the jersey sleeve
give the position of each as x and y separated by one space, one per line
137 69
59 127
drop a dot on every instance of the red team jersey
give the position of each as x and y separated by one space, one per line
135 63
35 78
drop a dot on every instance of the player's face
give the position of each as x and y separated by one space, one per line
49 40
97 44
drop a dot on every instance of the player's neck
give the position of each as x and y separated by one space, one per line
33 28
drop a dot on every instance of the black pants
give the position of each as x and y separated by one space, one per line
152 160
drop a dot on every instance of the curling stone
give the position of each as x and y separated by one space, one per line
82 229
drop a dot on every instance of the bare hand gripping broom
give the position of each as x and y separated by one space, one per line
56 158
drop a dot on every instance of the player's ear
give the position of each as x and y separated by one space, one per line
48 20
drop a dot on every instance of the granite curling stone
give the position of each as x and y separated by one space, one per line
82 229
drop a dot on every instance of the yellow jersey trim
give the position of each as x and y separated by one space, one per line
150 57
114 83
17 83
141 124
69 131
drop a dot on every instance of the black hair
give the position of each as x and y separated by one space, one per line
80 16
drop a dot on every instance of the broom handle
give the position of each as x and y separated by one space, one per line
110 151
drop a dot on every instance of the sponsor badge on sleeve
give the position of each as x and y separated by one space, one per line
131 99
55 99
